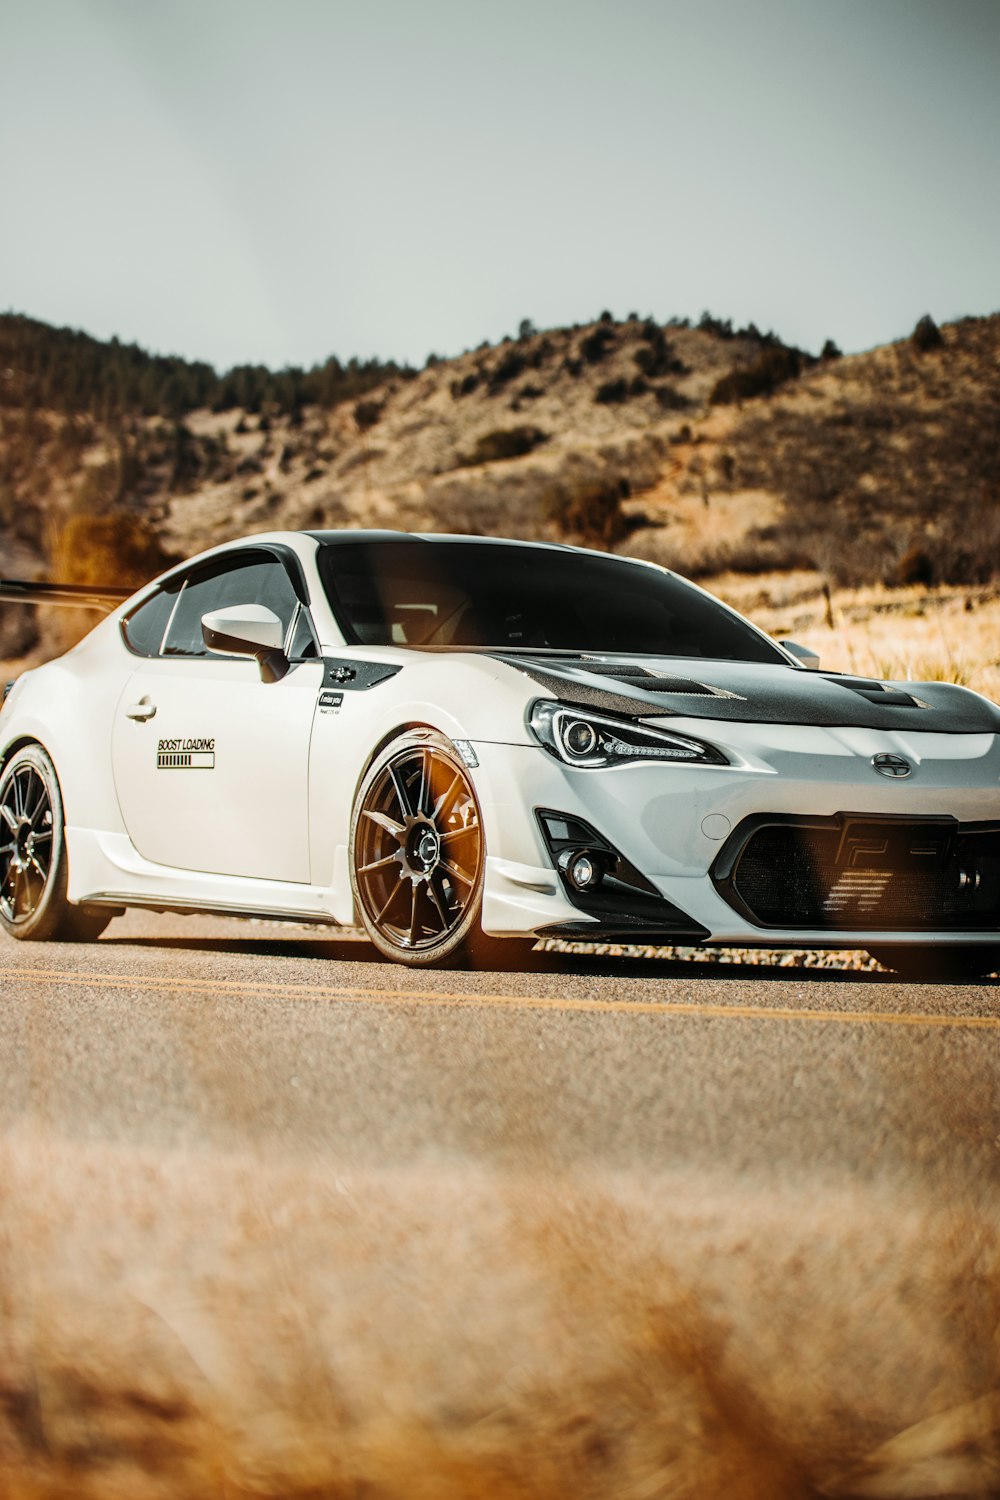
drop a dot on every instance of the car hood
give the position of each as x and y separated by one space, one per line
751 692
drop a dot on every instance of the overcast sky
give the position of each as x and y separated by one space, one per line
253 180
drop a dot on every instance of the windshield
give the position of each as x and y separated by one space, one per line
414 591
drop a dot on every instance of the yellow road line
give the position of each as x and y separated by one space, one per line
359 995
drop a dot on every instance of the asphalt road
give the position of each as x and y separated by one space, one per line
278 1219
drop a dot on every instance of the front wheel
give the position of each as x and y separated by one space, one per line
33 870
418 856
956 963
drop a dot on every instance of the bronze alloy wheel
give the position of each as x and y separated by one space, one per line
418 851
26 842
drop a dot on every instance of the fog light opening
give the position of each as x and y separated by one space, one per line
581 869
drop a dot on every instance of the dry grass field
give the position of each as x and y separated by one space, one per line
913 634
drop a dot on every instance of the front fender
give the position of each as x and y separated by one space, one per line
466 698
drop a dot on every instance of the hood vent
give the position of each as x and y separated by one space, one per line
877 692
754 694
650 682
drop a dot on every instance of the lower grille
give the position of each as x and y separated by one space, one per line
857 872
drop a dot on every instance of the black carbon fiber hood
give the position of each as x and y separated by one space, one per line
754 693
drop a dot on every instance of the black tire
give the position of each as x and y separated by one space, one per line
940 963
418 858
33 869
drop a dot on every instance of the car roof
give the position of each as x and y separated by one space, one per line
328 538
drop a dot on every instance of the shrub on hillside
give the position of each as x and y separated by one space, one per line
656 357
465 386
598 343
771 368
612 392
505 443
510 365
589 512
926 335
672 400
721 327
367 414
193 460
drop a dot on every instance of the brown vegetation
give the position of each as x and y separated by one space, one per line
884 463
504 443
707 448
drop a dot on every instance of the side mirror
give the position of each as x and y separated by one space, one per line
248 630
808 658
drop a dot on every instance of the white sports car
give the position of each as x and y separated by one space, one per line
453 741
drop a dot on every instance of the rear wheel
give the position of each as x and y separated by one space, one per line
33 870
955 963
418 857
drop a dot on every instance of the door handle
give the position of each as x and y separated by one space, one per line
144 709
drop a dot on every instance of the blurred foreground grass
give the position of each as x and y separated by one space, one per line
197 1324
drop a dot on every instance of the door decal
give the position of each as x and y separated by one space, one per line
185 755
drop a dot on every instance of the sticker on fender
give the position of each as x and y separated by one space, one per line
185 755
329 702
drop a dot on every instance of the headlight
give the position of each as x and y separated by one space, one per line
579 737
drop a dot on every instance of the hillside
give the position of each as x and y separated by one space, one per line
703 448
880 467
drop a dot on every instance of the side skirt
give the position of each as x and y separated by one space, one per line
105 869
213 908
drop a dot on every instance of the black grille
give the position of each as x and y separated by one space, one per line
856 872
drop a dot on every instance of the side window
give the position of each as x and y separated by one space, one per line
253 578
143 629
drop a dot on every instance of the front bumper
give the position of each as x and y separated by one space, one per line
672 822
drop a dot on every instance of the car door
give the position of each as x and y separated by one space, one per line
210 762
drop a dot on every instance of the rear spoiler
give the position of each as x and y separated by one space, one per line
70 595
